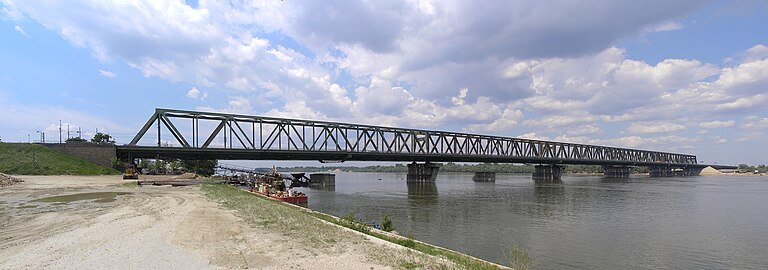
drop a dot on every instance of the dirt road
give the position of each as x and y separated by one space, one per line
101 224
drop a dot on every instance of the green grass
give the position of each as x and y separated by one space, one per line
272 214
32 159
518 258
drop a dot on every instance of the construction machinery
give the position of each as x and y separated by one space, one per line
130 172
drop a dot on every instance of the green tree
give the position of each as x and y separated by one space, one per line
201 167
102 138
174 164
159 166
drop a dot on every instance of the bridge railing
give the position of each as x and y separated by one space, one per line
232 131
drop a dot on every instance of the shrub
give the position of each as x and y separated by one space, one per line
386 224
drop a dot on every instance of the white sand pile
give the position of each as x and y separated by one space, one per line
710 171
7 180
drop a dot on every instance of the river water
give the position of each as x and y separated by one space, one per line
585 222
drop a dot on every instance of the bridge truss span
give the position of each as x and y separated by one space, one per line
181 133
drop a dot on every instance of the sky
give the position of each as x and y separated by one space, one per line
686 76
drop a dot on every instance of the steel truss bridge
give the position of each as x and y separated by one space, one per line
185 134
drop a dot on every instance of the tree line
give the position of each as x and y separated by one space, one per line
454 167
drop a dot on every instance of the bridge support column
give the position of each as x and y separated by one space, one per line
484 177
322 179
660 171
426 172
548 172
692 171
616 171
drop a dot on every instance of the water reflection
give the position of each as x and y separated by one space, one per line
583 222
549 192
323 187
615 180
422 193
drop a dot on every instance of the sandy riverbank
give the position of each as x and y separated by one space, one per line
160 227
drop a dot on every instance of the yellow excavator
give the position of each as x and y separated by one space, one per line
130 172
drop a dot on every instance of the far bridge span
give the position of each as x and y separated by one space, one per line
205 135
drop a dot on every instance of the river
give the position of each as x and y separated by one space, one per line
585 222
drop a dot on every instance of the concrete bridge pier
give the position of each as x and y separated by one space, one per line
692 171
322 179
548 172
616 171
660 171
426 172
484 177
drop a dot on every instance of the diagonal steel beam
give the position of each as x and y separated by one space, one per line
144 129
215 133
175 132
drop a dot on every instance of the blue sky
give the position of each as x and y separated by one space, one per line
681 76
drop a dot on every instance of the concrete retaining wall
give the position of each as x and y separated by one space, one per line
100 154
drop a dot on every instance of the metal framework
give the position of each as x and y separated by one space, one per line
256 137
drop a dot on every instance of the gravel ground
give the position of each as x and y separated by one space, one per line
155 227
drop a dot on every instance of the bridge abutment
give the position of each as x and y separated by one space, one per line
548 172
426 172
484 177
616 171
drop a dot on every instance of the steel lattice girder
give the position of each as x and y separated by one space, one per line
304 139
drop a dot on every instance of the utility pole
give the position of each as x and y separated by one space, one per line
67 131
59 131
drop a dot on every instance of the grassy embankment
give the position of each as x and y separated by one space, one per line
307 225
32 159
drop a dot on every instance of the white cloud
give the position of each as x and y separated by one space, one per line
561 120
744 103
533 136
107 74
21 31
380 97
402 63
752 136
754 122
717 124
195 93
584 130
654 127
668 26
459 100
718 139
756 53
509 119
669 142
